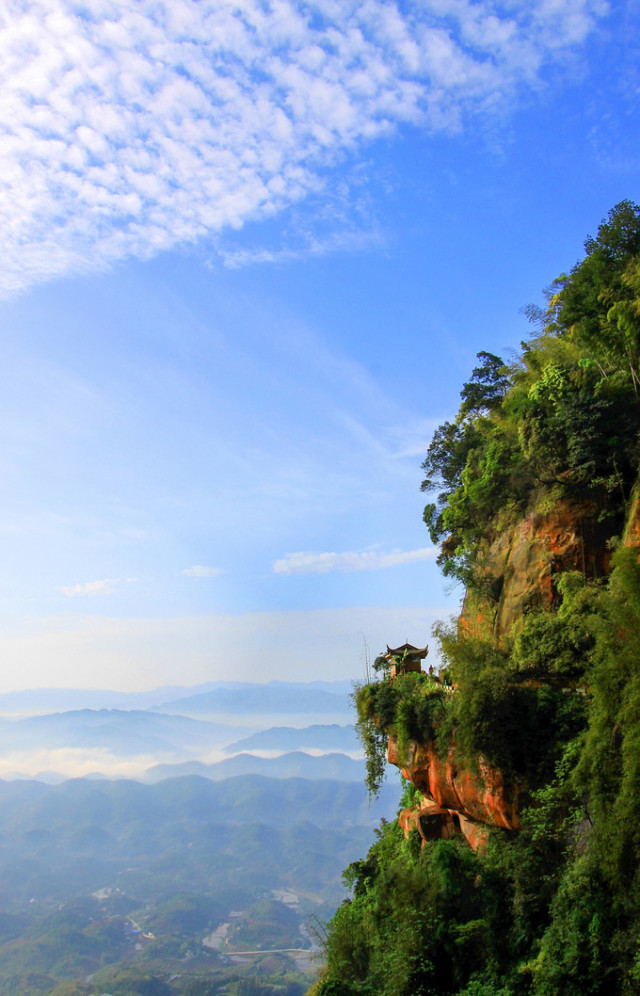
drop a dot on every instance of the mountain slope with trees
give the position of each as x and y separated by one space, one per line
535 504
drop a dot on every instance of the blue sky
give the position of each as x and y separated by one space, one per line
250 252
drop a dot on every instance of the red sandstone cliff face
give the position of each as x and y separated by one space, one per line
457 800
483 796
434 823
522 564
524 561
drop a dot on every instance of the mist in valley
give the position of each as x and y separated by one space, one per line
139 845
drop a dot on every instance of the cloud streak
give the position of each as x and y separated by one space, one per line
325 563
350 241
129 129
200 571
104 587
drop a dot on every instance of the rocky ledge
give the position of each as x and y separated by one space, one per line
456 799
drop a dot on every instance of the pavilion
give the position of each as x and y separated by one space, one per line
405 659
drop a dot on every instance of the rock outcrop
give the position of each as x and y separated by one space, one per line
456 799
523 562
434 823
521 568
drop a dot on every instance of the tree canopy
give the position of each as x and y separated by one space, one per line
565 413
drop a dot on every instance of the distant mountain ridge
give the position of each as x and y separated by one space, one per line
48 700
315 737
220 718
273 697
296 764
37 701
122 732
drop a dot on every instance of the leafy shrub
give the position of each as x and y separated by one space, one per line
409 707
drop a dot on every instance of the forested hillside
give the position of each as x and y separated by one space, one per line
514 868
184 888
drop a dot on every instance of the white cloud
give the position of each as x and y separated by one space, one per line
127 129
324 563
104 587
74 763
350 241
200 571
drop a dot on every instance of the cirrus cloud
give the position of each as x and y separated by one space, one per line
126 129
324 563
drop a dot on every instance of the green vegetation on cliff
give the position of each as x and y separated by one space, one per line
536 511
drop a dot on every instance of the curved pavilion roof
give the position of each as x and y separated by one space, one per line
409 650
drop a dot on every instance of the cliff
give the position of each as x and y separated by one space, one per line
514 865
523 563
467 796
455 798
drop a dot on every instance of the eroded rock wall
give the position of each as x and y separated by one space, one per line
522 566
456 798
523 562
